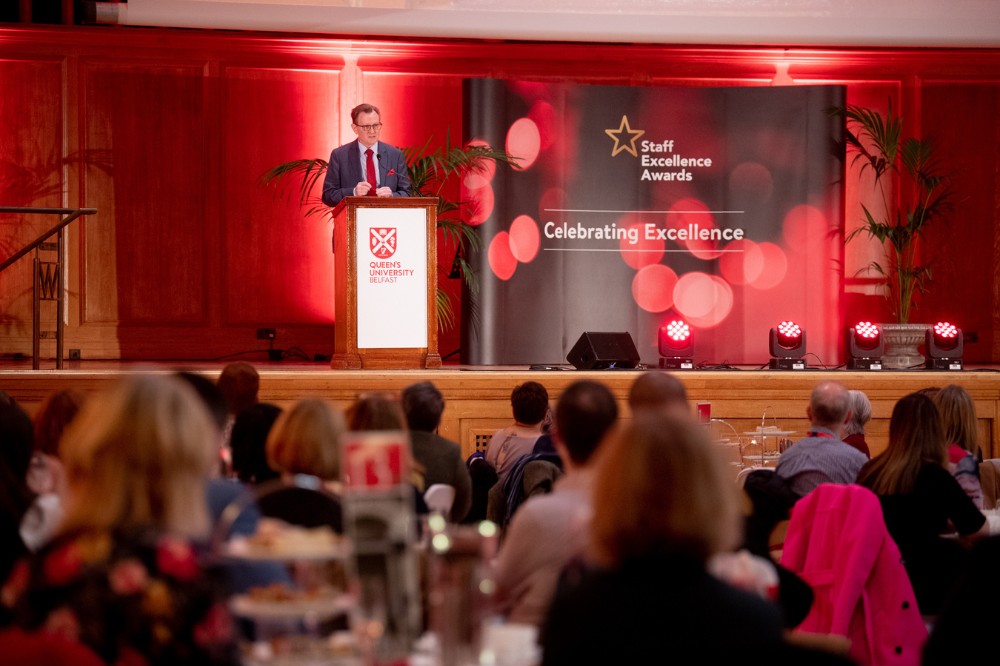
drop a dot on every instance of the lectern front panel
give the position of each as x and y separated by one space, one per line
391 264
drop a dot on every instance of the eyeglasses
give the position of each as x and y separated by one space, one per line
370 128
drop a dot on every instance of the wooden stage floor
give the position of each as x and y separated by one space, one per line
478 397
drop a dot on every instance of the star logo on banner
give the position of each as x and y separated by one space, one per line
622 140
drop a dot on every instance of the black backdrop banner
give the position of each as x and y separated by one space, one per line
636 206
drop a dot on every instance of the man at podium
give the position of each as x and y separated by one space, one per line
366 167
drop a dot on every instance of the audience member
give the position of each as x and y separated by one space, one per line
822 456
530 403
383 411
306 440
663 505
961 633
376 411
861 414
961 431
239 382
550 529
123 575
55 413
248 443
441 458
211 398
545 443
920 498
223 492
658 390
16 497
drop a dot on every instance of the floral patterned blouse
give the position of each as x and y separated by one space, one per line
133 597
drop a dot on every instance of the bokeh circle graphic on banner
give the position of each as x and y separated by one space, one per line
774 267
524 142
653 287
805 229
502 260
692 214
524 238
742 263
644 252
704 300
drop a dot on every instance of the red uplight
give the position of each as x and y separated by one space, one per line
676 339
679 331
866 335
945 335
789 334
945 345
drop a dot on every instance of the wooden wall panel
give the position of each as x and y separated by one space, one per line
154 231
963 253
31 174
277 262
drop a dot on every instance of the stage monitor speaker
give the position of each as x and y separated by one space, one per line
602 351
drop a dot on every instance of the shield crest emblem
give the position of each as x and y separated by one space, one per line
382 241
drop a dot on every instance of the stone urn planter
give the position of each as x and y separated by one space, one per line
902 342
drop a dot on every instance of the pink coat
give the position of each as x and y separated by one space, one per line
838 542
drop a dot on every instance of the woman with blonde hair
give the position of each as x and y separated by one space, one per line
306 440
961 432
663 505
123 575
304 447
921 500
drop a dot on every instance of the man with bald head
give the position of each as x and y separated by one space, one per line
822 456
657 390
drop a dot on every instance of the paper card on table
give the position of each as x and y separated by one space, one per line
376 460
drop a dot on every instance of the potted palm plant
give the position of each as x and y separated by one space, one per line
912 191
431 174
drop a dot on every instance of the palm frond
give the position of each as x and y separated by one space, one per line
445 313
307 171
921 193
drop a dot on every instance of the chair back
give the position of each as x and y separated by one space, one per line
484 477
439 498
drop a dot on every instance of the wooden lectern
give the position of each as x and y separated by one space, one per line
385 273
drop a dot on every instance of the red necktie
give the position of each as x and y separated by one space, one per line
370 170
